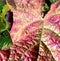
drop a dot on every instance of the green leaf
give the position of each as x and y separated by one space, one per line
5 9
2 3
52 1
5 40
3 24
1 8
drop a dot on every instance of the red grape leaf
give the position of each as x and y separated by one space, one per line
25 31
25 14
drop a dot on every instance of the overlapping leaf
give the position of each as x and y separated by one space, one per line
28 13
27 41
52 32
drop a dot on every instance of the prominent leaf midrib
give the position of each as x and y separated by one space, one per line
40 37
43 42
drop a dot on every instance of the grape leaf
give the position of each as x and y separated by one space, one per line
28 44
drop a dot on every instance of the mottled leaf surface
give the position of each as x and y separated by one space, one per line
29 15
34 38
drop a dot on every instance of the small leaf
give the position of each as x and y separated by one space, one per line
3 24
5 40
